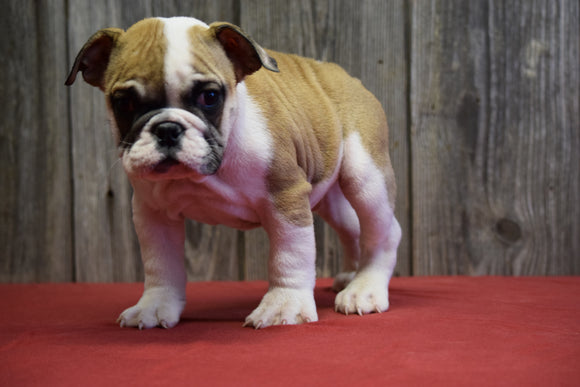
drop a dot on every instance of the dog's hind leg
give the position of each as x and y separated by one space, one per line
339 214
366 186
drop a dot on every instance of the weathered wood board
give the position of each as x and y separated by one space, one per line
36 236
495 137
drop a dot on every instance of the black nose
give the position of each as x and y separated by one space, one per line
168 133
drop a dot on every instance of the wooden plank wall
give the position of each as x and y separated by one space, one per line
483 101
495 137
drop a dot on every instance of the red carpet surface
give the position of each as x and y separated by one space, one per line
488 331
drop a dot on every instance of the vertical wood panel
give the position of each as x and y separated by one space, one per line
106 248
494 122
534 121
35 210
442 71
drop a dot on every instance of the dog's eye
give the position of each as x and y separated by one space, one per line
124 104
209 99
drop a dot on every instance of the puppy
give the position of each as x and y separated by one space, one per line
215 128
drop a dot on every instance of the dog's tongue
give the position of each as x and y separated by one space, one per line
165 165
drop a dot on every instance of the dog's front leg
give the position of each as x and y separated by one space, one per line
292 276
162 243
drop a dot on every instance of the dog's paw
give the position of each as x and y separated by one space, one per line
364 294
281 306
157 307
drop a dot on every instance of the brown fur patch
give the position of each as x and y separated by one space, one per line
317 106
210 58
139 55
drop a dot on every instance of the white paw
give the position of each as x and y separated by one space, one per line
281 306
157 307
364 294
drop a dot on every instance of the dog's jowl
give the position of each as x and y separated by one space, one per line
213 127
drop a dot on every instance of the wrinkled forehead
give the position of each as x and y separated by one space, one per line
166 56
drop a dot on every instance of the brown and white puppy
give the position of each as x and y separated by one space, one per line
205 133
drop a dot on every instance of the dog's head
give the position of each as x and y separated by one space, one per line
170 88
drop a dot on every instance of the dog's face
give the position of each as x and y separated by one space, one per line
170 86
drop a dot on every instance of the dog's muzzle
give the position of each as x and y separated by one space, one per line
172 138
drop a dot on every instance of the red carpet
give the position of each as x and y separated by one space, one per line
446 331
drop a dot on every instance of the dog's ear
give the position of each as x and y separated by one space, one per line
246 55
93 58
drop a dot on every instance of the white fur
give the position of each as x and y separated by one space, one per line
380 232
178 58
290 298
161 241
281 306
249 145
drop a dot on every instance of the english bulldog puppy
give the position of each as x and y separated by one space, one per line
213 127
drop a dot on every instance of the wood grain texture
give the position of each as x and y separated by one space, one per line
106 247
35 209
495 137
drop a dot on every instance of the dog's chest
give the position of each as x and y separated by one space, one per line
212 201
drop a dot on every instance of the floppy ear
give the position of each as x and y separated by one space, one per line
93 58
246 55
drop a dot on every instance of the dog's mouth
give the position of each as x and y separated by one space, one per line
165 165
